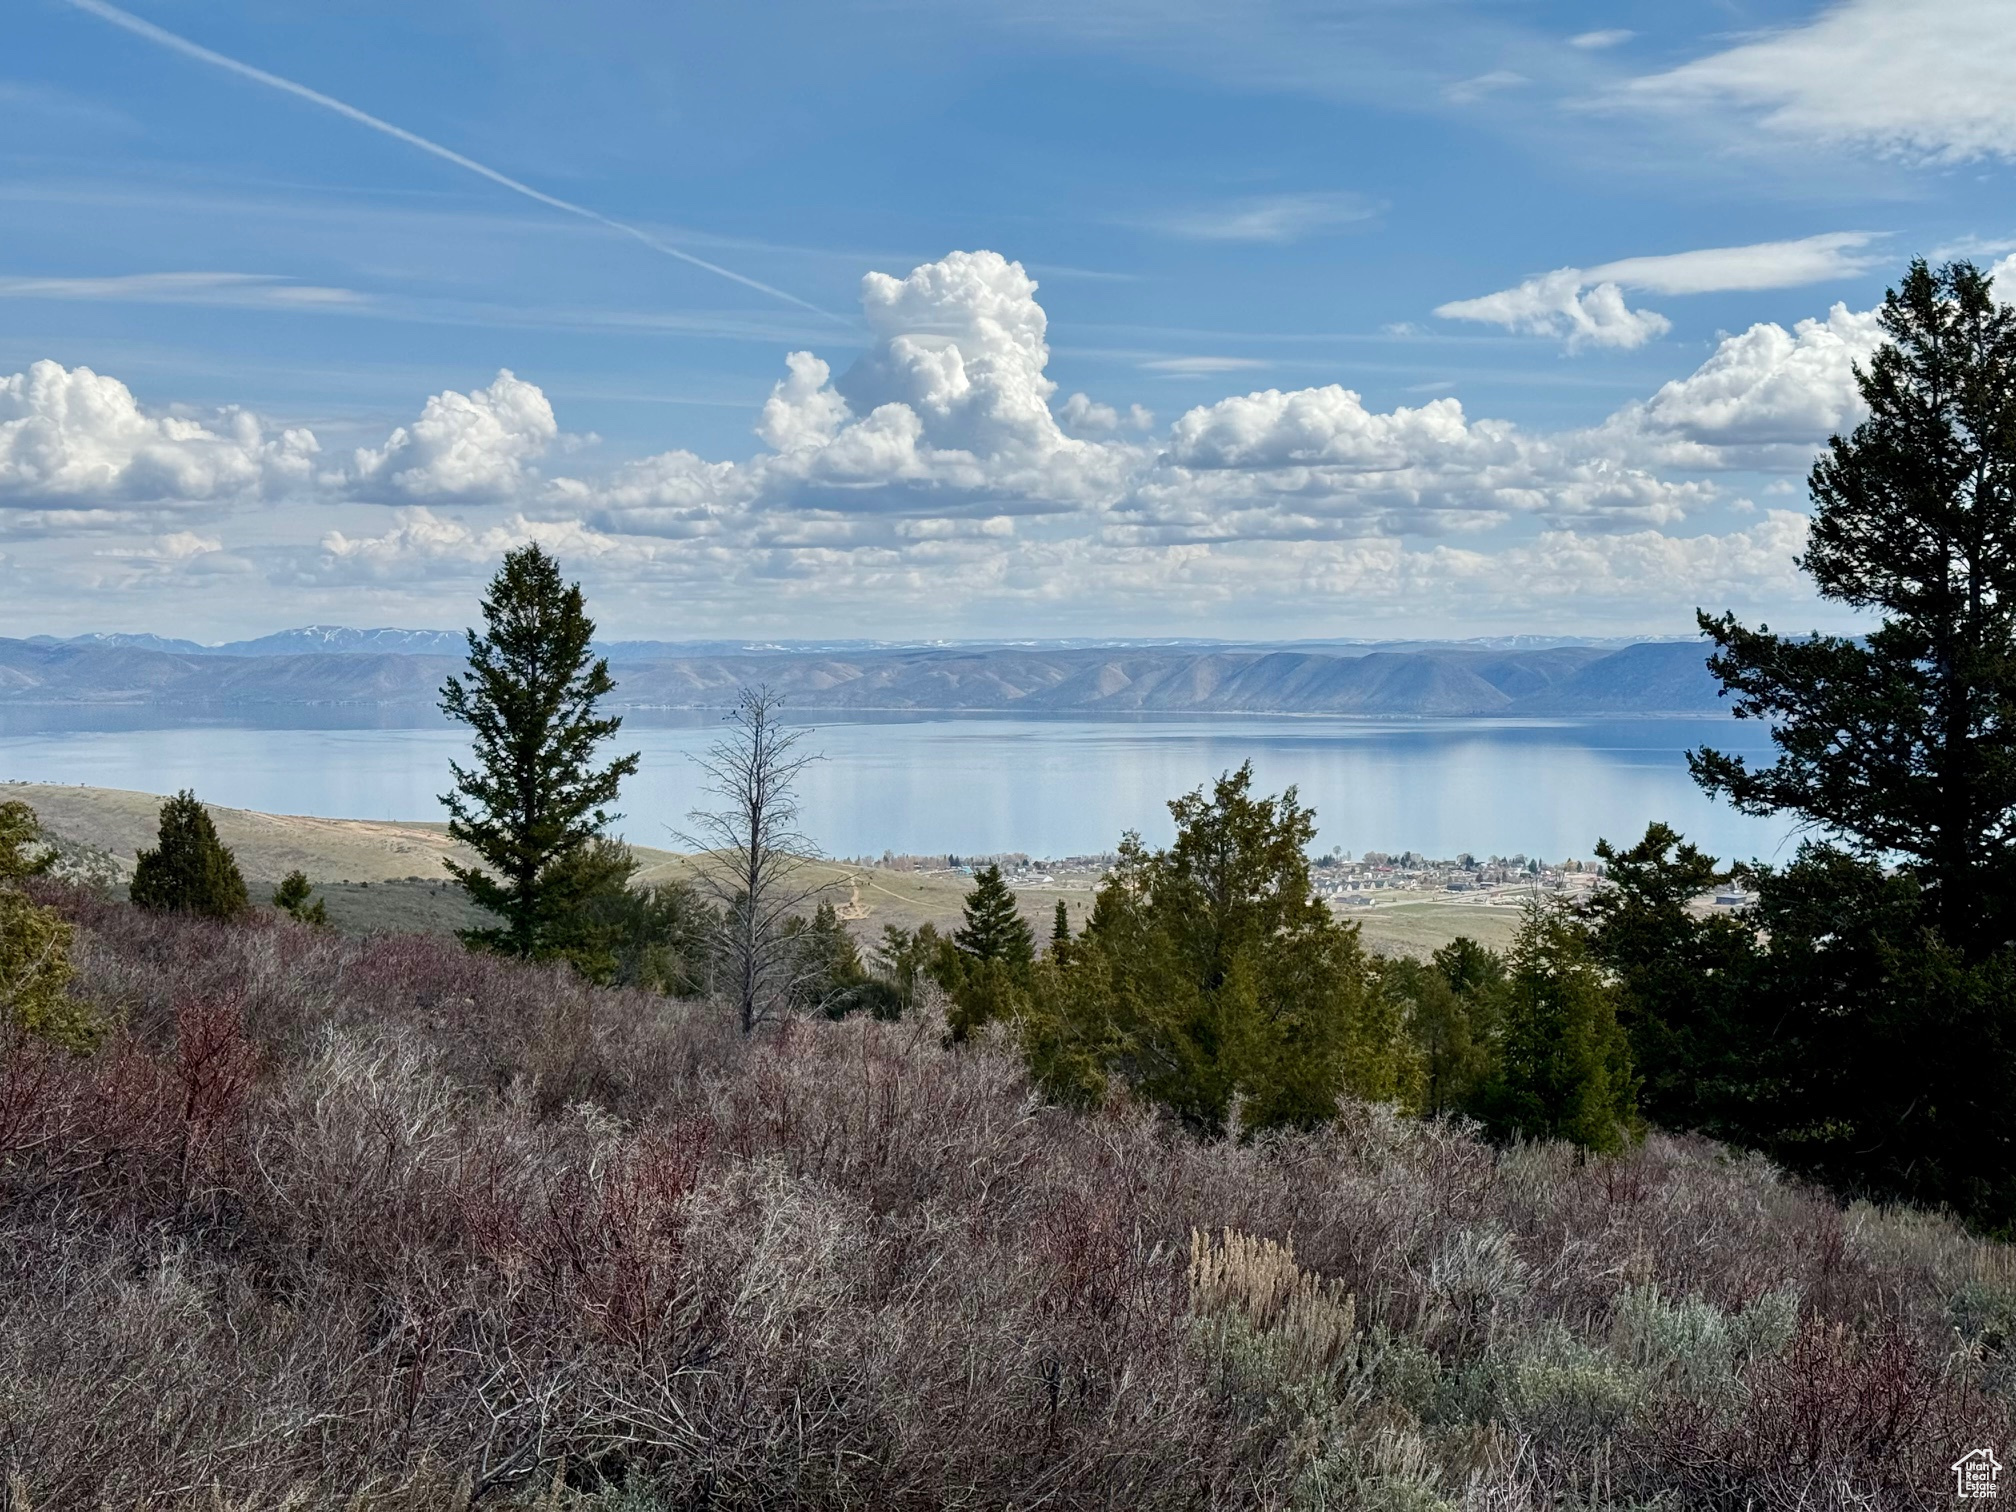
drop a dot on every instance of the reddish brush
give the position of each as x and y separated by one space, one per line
337 1217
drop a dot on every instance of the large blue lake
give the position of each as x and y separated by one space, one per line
980 784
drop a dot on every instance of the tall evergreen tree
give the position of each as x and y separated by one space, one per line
189 870
1687 980
1060 931
535 799
1878 1041
1564 1067
1902 743
1454 1004
994 929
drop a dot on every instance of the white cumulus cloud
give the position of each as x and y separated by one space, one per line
1586 306
476 445
1765 398
942 467
69 435
1563 304
1318 463
420 543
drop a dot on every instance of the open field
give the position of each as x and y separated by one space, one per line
386 876
1416 929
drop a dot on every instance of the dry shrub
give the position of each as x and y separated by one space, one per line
1257 1281
381 1223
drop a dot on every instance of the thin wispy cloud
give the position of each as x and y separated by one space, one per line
1920 81
237 289
1267 218
170 40
1597 41
1761 265
1469 91
61 107
1187 367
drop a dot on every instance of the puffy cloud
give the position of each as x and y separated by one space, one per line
77 441
1926 80
1085 418
947 412
943 468
180 546
464 446
2002 278
961 341
69 435
1317 463
420 544
1765 398
1645 567
803 412
1586 306
1564 305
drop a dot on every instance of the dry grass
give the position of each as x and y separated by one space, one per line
343 855
1421 929
376 1223
268 846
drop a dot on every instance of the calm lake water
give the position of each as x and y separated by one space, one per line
981 784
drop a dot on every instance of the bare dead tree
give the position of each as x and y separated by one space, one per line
752 854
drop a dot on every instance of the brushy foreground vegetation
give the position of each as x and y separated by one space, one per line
388 1223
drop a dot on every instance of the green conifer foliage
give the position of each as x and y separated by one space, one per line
189 870
35 970
21 850
1565 1066
904 958
994 929
291 898
1872 1039
1212 973
35 974
987 970
1060 930
1686 978
534 800
1902 742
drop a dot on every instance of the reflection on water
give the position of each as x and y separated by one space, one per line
978 784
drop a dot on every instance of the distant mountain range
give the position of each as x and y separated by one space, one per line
309 640
1419 679
339 640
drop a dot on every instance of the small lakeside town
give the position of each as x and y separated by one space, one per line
1348 882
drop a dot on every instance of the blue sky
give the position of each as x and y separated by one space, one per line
1388 319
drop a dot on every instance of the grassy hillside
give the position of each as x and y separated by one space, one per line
268 846
377 875
341 1223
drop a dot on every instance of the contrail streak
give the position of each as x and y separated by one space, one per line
183 45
